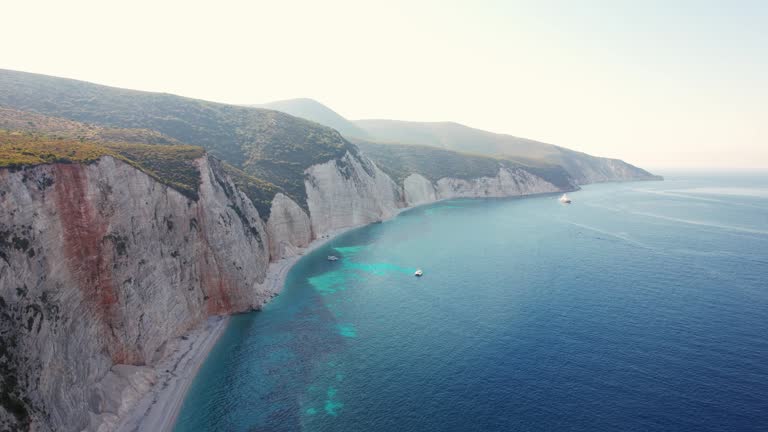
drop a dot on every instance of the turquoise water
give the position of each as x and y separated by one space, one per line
640 307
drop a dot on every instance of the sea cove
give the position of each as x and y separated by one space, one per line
641 306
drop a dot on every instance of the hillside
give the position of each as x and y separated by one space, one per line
582 167
266 144
16 120
457 137
399 161
311 109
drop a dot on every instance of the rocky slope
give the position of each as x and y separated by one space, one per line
99 266
349 191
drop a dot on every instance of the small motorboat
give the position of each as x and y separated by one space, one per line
333 258
564 199
418 273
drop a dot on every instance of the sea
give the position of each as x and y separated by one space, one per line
641 306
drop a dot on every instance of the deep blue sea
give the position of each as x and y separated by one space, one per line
639 307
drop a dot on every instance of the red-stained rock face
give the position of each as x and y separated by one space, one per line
215 285
88 255
214 282
115 266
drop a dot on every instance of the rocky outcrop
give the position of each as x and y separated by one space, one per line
515 182
507 182
100 265
117 393
288 227
350 191
418 190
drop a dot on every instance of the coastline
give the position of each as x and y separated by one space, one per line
158 409
175 373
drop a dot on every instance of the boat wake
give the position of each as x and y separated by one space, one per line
621 236
702 223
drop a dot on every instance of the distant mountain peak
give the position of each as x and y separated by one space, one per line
317 112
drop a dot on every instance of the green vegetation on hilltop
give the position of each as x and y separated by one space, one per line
270 145
171 165
18 150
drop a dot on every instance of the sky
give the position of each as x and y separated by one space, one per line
662 84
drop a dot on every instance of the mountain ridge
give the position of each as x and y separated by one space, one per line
317 112
454 136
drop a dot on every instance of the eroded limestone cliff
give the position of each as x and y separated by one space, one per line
507 183
101 265
348 192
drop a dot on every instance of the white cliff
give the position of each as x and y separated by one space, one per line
288 227
100 265
349 192
508 182
418 190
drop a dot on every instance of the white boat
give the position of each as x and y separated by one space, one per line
418 273
564 199
332 258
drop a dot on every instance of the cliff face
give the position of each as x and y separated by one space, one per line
348 192
99 266
288 227
419 190
507 182
353 191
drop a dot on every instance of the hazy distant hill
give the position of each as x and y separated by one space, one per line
457 137
399 161
311 109
582 167
268 144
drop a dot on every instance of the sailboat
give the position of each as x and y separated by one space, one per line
564 199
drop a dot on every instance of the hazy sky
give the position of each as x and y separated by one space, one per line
658 83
